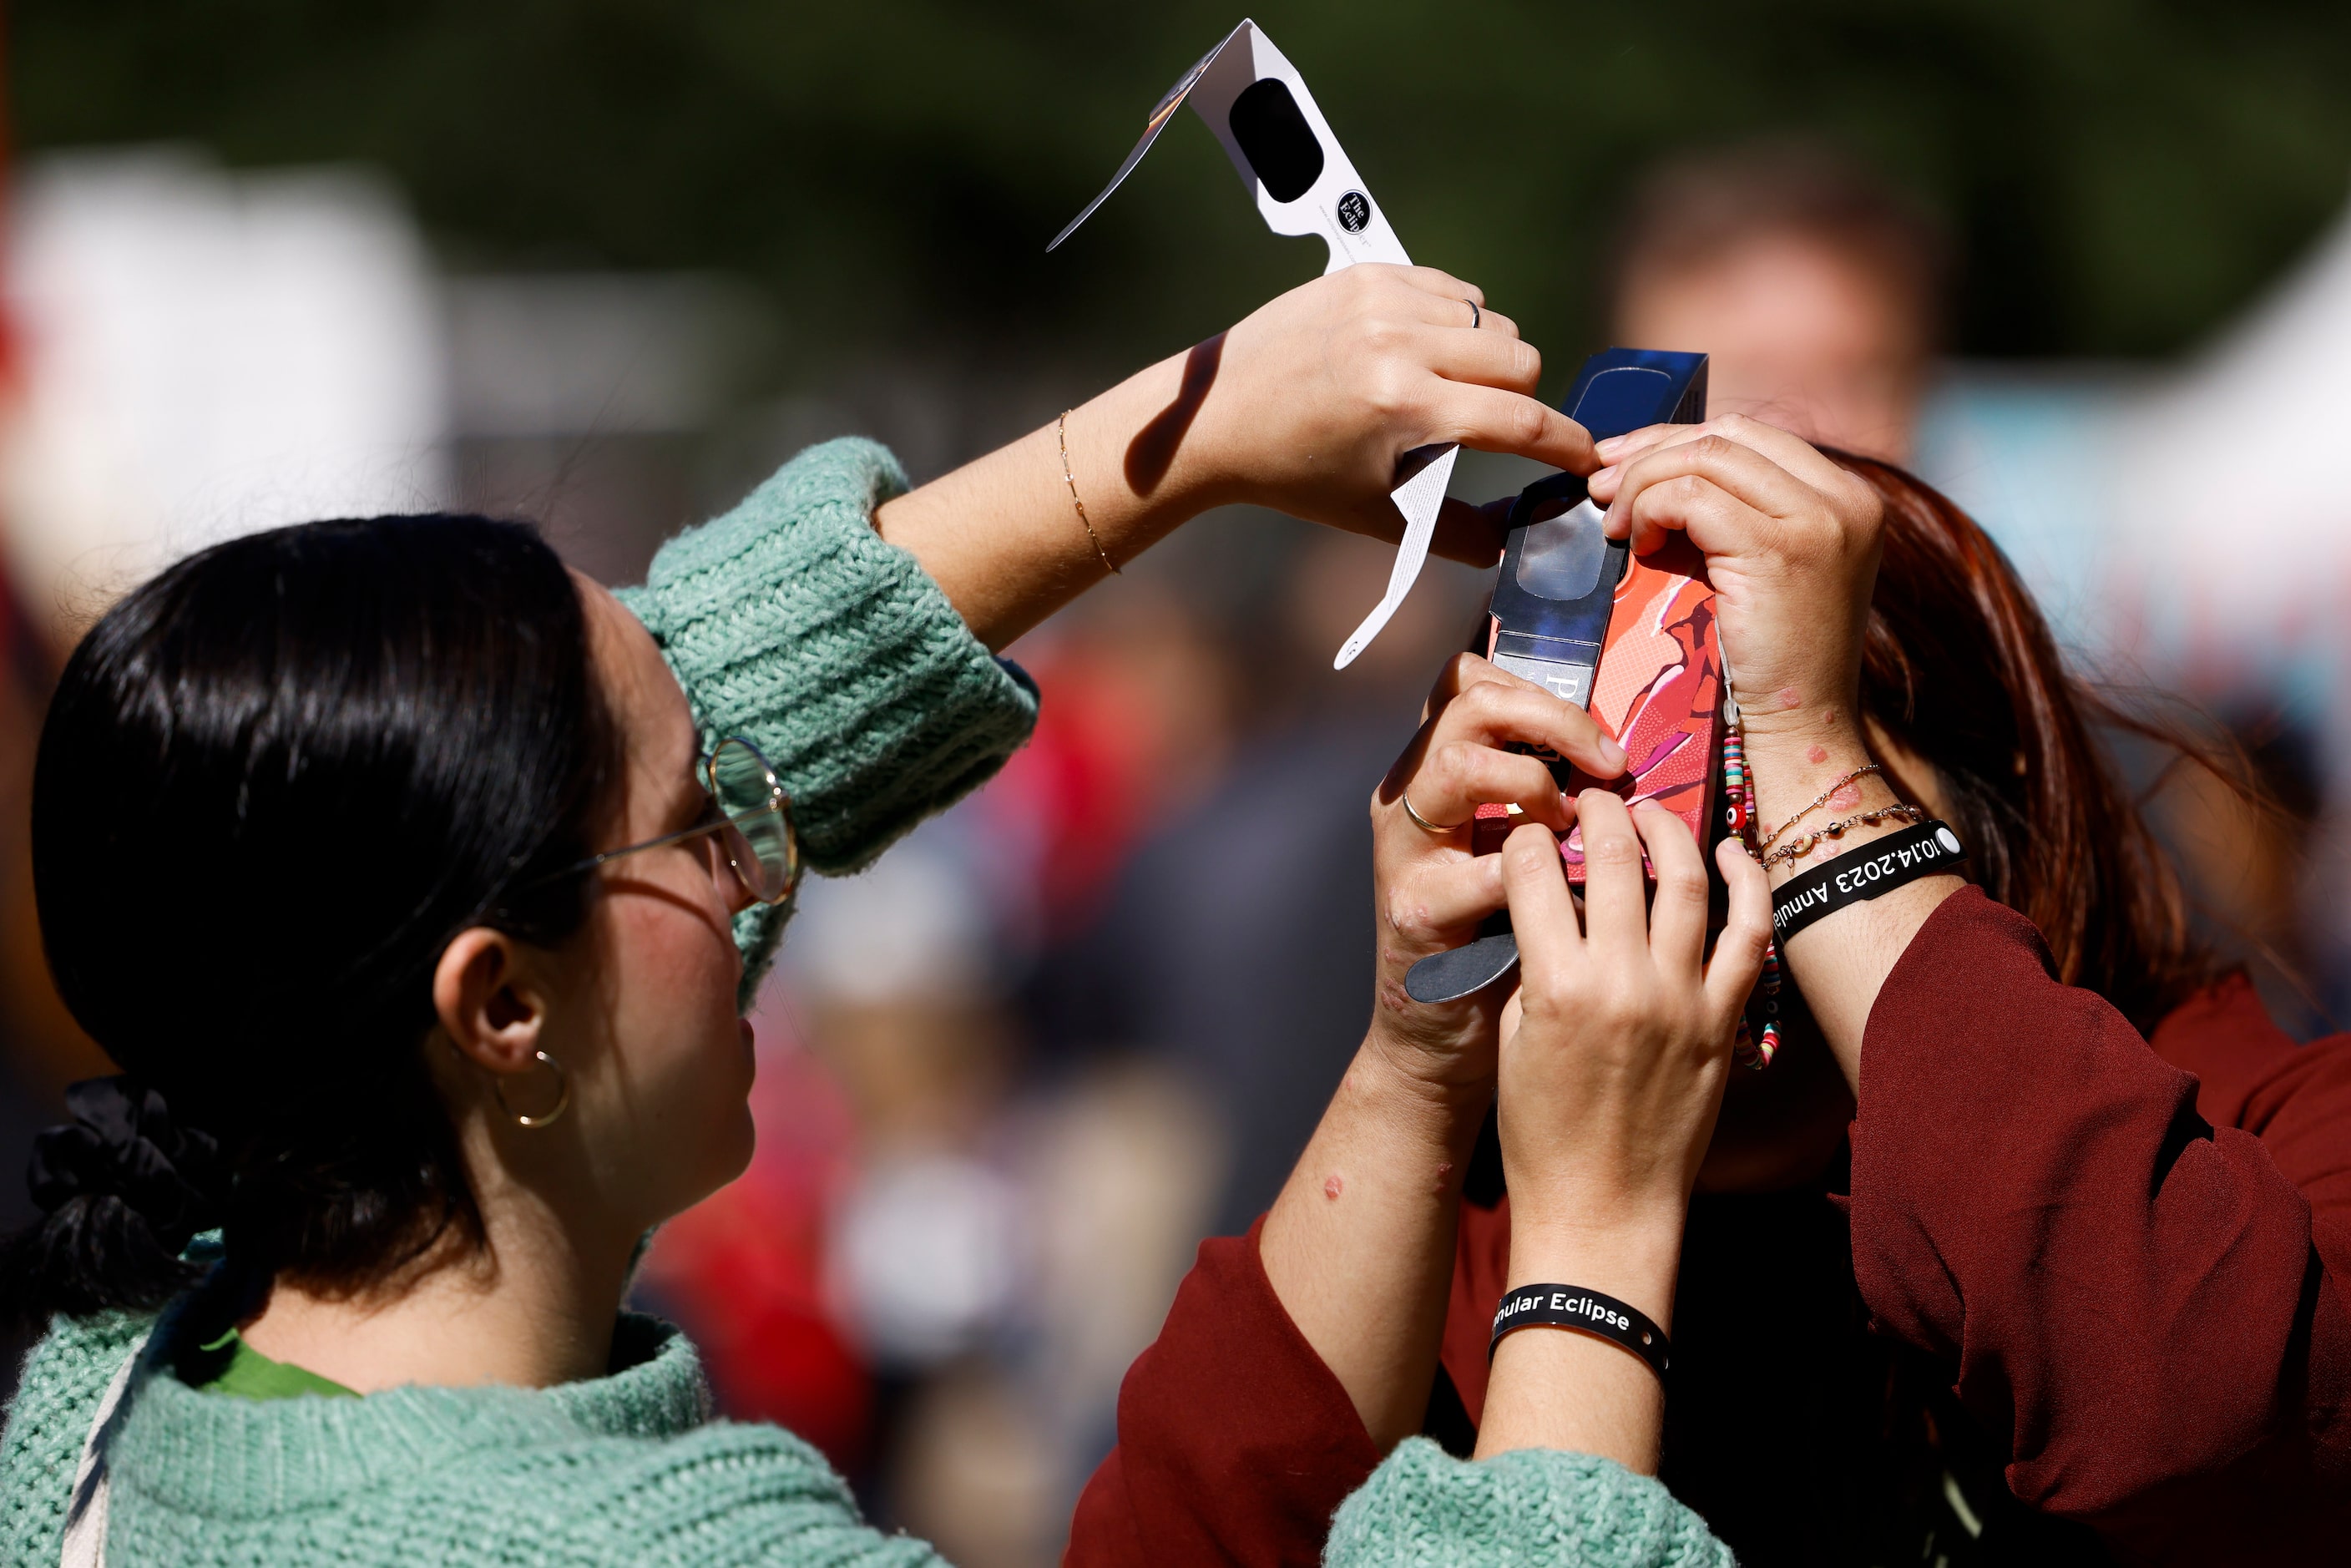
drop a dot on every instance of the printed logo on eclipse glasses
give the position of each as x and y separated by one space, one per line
1354 211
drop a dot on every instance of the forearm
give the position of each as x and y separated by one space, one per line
1556 1388
1002 536
1359 1247
1839 962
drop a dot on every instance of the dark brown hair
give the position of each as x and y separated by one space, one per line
1693 210
1959 667
274 782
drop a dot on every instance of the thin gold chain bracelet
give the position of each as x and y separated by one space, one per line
1796 849
1062 431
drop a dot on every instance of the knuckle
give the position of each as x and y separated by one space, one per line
1616 1006
1609 847
1489 701
1685 883
1391 390
1405 914
1525 854
1546 985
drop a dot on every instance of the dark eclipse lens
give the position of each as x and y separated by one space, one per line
1280 145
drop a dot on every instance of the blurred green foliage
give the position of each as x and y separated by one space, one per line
2120 174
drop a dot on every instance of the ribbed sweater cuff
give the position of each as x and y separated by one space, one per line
1536 1505
789 621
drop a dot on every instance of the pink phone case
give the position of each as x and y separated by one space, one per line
1658 690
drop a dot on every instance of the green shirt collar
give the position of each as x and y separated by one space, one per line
236 1368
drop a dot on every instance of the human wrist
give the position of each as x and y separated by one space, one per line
1438 1091
1632 1254
1444 1064
1790 768
1140 467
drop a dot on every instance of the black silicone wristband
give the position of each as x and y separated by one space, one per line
1875 869
1585 1311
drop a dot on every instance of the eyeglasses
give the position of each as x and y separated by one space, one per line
751 814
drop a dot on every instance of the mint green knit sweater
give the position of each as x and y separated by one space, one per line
789 621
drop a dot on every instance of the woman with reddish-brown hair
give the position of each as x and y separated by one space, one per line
2033 1244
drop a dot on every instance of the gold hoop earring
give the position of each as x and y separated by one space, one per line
545 1118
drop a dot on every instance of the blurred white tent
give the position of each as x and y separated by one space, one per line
204 354
2189 527
2233 477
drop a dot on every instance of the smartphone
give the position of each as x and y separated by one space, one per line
1632 639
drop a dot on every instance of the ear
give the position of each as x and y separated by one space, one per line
490 1000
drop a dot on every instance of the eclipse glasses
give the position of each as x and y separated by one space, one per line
1257 103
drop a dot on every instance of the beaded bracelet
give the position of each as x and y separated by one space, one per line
1796 849
1748 1049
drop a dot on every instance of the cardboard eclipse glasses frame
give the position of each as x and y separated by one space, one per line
1304 183
1257 105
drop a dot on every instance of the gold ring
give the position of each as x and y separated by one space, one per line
1424 824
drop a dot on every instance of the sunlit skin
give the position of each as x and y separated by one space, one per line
1791 542
1304 405
1783 1126
639 1007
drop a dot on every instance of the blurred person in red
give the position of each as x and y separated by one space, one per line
894 1276
1258 1000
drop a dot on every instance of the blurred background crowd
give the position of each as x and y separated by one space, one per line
2086 266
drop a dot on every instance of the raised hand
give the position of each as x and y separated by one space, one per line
1319 393
1431 891
1790 542
1613 1056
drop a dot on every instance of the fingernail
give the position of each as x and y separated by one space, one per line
1610 446
1602 476
1611 754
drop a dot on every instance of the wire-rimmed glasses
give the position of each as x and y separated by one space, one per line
750 812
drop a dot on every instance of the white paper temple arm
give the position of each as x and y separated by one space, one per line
1307 187
1419 498
1160 116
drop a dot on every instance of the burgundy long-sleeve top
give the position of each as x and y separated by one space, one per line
2131 1258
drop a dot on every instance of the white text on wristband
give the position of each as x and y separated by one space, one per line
1876 868
1585 1311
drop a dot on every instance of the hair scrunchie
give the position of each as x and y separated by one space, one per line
123 1144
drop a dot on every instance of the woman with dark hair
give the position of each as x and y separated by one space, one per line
2034 1248
417 886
